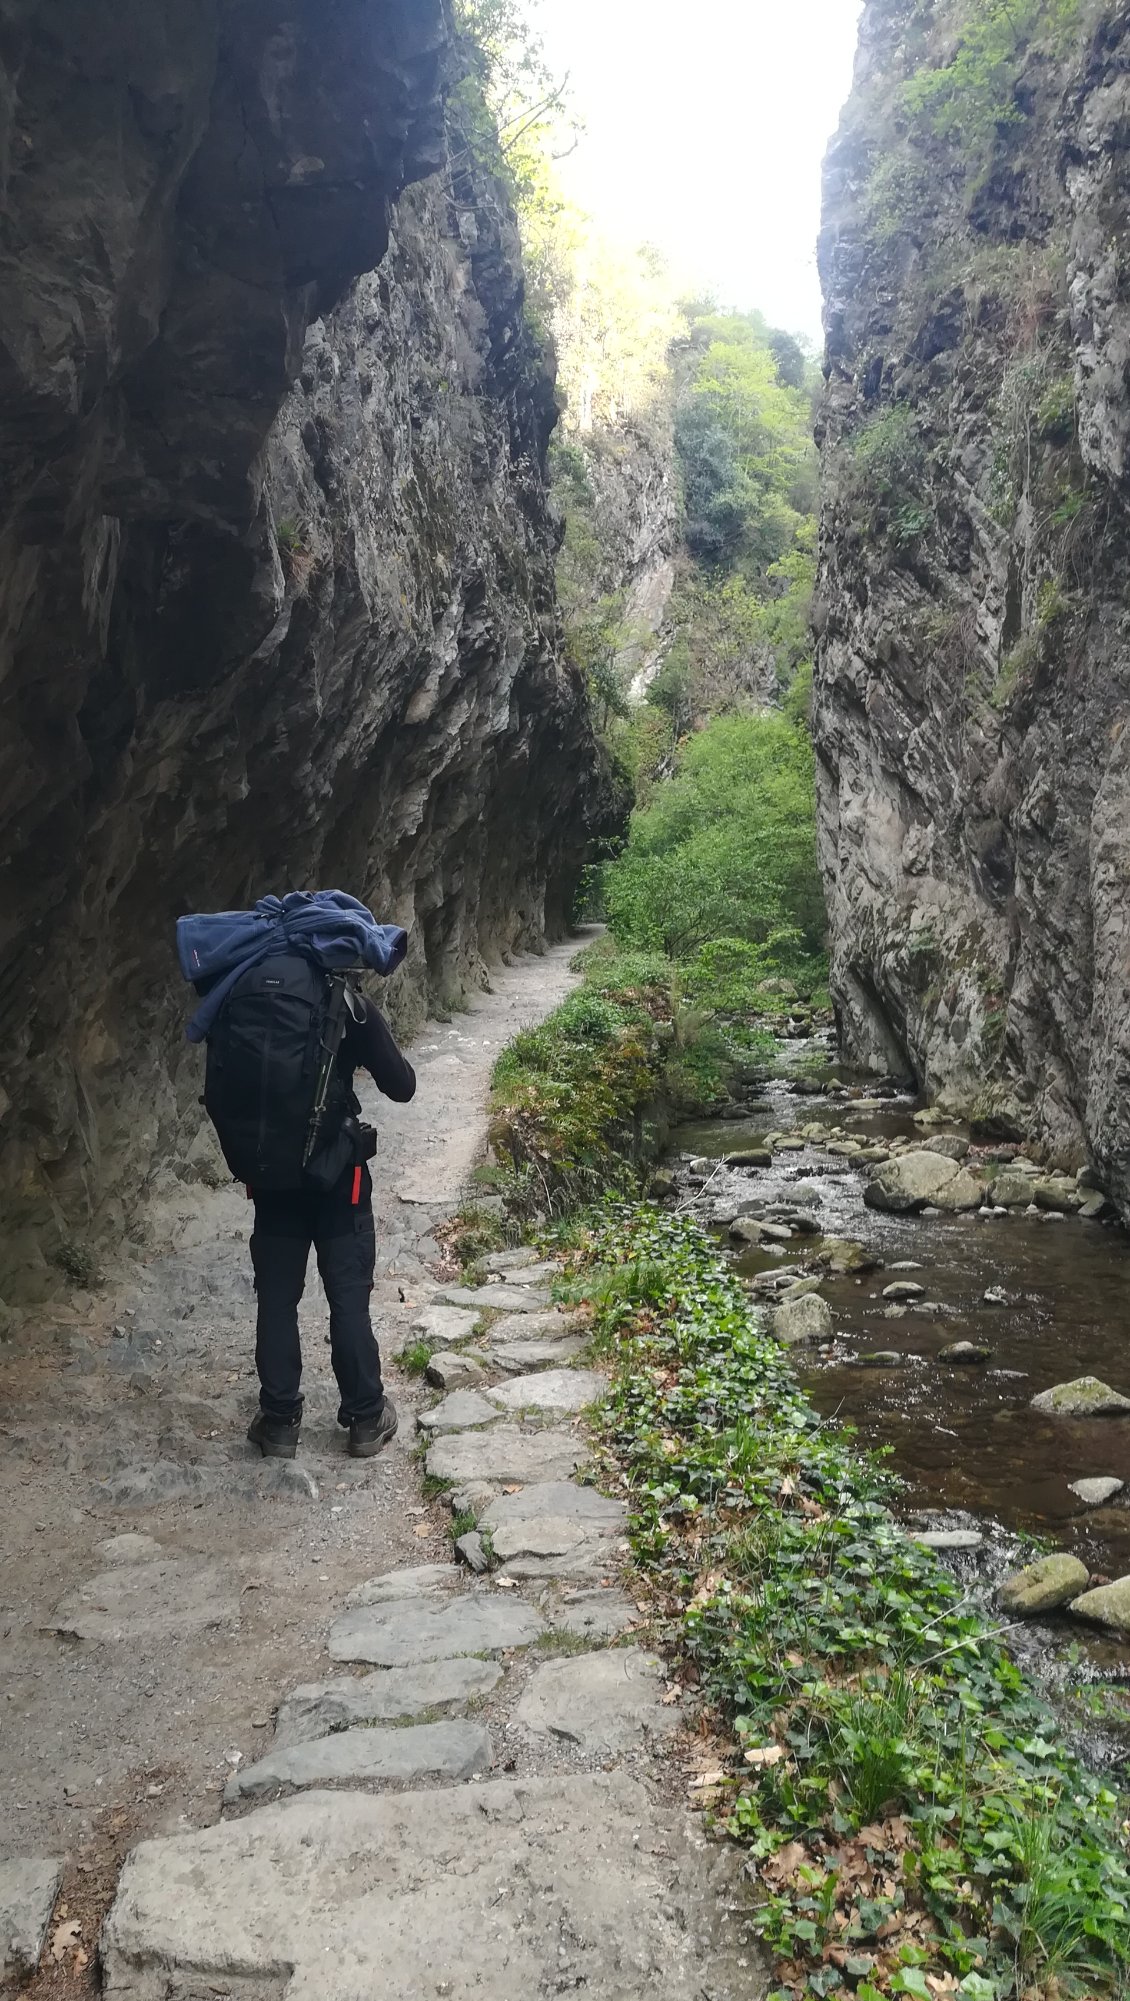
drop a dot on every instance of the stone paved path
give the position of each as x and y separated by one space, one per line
432 1781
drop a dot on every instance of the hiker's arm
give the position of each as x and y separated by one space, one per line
372 1046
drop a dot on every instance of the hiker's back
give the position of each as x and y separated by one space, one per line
262 1069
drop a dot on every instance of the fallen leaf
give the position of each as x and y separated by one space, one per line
64 1938
81 1959
787 1487
715 1778
512 1490
764 1754
506 1583
423 1528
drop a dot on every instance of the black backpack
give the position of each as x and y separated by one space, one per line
264 1056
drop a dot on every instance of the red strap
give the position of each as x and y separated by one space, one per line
356 1186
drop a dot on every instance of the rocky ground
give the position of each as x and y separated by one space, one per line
346 1758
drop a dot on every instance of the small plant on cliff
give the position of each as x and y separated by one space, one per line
971 99
886 475
288 537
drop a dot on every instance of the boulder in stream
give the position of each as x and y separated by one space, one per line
1108 1605
1011 1190
1057 1192
1043 1586
1085 1397
963 1192
904 1288
845 1257
1095 1493
806 1319
907 1184
881 1358
964 1354
754 1156
949 1145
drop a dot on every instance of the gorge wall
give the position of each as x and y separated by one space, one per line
276 588
973 610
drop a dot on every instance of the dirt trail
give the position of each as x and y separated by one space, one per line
164 1592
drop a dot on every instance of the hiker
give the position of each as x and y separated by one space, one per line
286 1028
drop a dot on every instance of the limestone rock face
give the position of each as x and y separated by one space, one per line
973 670
276 603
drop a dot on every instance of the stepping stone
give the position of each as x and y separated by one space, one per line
949 1539
506 1453
499 1298
1107 1605
801 1320
317 1707
449 1371
546 1273
558 1390
508 1261
599 1702
554 1529
595 1615
461 1411
964 1354
520 1357
29 1886
445 1325
335 1895
424 1579
904 1288
455 1750
147 1600
1085 1397
1043 1586
1094 1492
422 1629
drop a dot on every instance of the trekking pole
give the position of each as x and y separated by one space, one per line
332 1034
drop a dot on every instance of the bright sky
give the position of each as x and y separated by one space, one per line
706 124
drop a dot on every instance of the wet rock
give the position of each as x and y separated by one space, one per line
1012 1190
559 1391
954 1540
962 1193
1095 1207
316 1708
662 1186
881 1358
29 1886
800 1320
463 1410
745 1230
472 1549
848 1258
422 1580
895 1312
1096 1491
994 1295
1043 1586
949 1145
1057 1193
757 1156
1085 1397
909 1182
449 1371
454 1751
798 1287
506 1453
1108 1605
904 1288
600 1702
398 1635
964 1354
906 1264
776 1233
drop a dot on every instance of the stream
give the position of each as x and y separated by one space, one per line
970 1450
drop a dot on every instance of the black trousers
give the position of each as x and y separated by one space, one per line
343 1235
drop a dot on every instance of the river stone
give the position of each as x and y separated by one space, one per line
805 1319
1012 1190
1085 1397
1043 1586
908 1183
29 1886
1094 1492
904 1288
1094 1207
423 1579
506 1452
449 1371
601 1702
455 1750
881 1358
964 1354
798 1287
1108 1605
445 1325
965 1540
1056 1192
756 1156
331 1896
949 1145
519 1357
595 1615
896 1312
775 1233
498 1298
419 1629
745 1230
461 1411
148 1600
962 1193
317 1707
845 1256
558 1390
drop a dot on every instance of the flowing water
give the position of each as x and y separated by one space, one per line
965 1440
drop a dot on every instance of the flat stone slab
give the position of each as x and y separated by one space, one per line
317 1707
461 1411
28 1889
542 1326
446 1325
556 1390
448 1370
505 1453
520 1357
949 1539
556 1501
1094 1492
499 1298
533 1274
492 1892
600 1702
1086 1396
144 1600
421 1629
455 1750
554 1529
595 1615
423 1580
519 1259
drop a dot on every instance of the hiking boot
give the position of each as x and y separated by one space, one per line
276 1437
368 1435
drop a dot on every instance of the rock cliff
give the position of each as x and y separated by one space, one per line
276 598
973 676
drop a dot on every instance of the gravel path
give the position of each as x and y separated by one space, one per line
356 1766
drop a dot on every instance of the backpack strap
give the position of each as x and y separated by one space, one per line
333 1032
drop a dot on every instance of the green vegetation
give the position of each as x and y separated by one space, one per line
970 100
414 1358
885 478
917 1825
